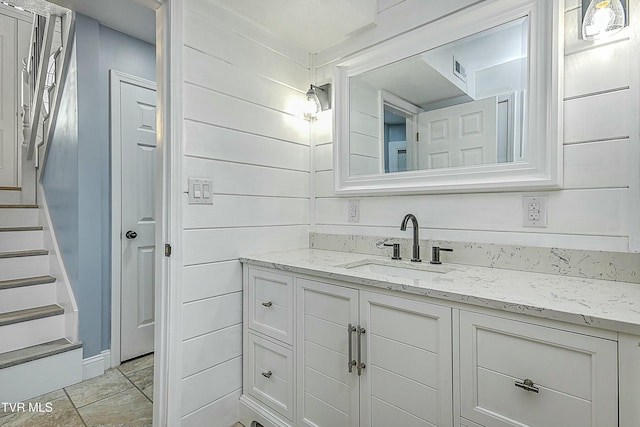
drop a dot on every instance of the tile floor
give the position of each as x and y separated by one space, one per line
121 397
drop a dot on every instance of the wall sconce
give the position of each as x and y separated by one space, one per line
318 99
601 18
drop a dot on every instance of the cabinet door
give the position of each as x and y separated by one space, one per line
516 373
407 378
327 391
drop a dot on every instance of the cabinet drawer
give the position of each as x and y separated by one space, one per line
271 304
271 374
574 376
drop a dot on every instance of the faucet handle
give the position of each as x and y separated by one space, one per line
435 254
395 246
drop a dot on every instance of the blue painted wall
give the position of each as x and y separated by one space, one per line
78 174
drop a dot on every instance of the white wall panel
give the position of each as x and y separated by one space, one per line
239 211
596 117
223 411
210 280
202 246
608 70
570 211
244 179
243 129
210 385
221 76
205 32
204 316
217 143
324 157
597 165
211 107
206 351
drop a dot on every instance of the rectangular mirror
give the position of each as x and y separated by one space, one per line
468 102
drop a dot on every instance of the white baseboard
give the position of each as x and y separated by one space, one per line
95 366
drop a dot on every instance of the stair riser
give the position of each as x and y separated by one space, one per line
15 299
18 217
9 197
16 268
21 240
25 334
22 382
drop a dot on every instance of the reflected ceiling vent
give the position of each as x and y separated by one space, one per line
458 70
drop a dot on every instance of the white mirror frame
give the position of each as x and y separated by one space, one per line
544 165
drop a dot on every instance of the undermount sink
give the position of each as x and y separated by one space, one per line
417 272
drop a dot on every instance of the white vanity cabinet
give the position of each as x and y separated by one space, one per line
369 359
514 373
325 353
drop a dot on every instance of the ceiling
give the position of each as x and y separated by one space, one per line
310 25
126 16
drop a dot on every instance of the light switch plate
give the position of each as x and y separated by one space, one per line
534 211
200 191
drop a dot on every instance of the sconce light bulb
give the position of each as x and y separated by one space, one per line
603 18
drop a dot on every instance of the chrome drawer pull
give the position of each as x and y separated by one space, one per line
267 374
267 304
361 365
527 385
351 362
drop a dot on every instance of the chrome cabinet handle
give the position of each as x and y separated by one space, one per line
527 385
267 304
351 362
267 374
360 332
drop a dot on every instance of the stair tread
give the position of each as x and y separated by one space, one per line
18 254
26 281
25 228
34 313
18 206
10 188
35 352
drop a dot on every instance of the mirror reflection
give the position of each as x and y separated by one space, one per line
458 105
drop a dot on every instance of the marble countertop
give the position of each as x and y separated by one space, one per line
598 303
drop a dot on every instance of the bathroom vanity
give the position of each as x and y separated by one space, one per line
344 339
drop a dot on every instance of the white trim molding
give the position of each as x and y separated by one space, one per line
96 365
168 333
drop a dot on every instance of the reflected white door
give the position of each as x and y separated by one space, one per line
138 160
460 135
8 102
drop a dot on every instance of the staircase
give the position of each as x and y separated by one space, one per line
39 348
37 355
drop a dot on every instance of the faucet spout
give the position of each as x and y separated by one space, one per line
416 238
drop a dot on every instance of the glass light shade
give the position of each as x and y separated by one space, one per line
603 18
312 105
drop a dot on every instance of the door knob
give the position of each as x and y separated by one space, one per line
131 235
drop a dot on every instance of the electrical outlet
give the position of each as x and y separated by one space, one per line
535 211
354 211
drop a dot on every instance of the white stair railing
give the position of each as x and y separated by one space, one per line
43 76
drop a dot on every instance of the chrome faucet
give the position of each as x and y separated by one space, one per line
416 239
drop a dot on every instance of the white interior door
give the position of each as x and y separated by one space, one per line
138 162
8 102
460 135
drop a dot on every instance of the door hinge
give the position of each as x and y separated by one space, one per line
167 250
417 136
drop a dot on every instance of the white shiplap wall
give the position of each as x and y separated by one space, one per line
242 128
598 208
